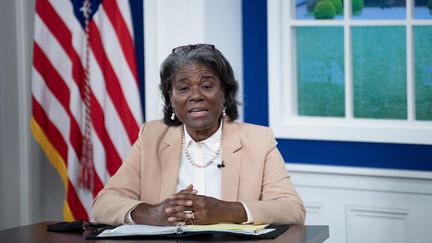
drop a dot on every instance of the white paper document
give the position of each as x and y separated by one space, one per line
140 229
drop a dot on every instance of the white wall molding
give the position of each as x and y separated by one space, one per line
355 179
353 201
316 211
365 224
24 108
346 170
153 102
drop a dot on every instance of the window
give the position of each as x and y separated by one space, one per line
352 70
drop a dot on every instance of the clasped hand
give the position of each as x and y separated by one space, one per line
187 206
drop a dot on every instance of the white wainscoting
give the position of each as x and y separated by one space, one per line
366 205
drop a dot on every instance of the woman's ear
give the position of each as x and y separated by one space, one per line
170 97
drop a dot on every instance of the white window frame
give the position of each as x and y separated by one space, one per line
282 84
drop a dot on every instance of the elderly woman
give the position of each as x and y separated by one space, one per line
197 164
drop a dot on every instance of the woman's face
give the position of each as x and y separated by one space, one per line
198 99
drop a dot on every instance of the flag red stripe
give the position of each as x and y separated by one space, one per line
62 33
113 160
53 134
65 27
113 85
52 78
75 204
58 88
122 32
55 24
56 139
98 184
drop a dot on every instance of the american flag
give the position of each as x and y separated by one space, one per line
85 93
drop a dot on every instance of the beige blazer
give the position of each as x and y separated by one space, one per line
254 173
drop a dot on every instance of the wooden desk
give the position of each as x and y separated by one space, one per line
38 233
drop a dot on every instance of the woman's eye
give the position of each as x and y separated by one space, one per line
183 89
207 87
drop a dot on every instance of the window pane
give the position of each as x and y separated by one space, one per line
423 72
378 9
318 9
379 72
320 71
423 9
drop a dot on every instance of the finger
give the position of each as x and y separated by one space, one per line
188 188
180 207
180 223
204 202
182 202
174 209
193 192
187 195
176 220
184 215
189 214
173 219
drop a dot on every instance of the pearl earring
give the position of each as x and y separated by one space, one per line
172 115
224 111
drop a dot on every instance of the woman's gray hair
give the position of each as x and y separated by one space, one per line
209 56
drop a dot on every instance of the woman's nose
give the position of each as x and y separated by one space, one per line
196 94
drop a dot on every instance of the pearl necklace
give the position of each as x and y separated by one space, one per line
189 157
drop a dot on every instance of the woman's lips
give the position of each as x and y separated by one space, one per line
198 112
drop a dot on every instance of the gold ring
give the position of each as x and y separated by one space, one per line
188 222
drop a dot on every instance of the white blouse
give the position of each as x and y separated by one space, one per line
206 180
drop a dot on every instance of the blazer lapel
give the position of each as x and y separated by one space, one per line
231 157
170 157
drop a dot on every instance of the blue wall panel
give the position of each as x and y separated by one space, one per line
138 26
255 62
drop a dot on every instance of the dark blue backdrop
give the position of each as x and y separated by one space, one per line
358 154
138 26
